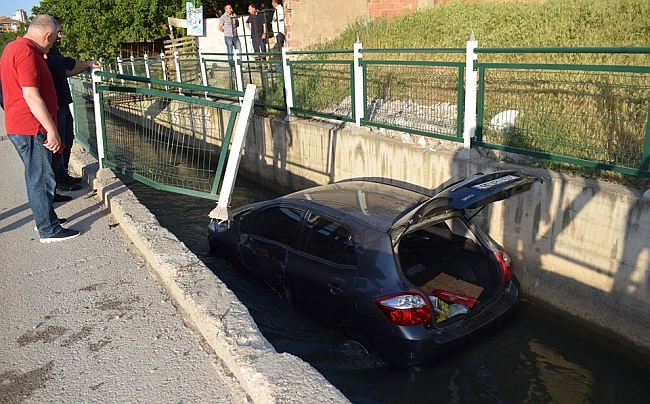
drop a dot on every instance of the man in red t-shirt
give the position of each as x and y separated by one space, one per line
30 105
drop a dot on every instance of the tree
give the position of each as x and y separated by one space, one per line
5 38
95 28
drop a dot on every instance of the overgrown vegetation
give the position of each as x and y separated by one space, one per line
598 116
552 23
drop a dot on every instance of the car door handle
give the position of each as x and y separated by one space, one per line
334 289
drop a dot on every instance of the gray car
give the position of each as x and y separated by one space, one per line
410 276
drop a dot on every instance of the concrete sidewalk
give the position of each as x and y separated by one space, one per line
125 312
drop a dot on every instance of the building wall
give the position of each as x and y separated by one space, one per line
309 22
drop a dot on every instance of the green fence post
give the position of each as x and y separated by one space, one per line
645 157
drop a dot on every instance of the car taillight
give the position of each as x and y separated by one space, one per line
408 308
506 265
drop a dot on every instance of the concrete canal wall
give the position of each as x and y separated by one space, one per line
579 245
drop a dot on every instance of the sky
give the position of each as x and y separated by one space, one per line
8 7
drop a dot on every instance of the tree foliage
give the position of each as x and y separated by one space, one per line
5 38
95 28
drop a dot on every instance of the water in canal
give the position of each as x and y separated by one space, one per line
538 357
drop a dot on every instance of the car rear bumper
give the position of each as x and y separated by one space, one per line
418 345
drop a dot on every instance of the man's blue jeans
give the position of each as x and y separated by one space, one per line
39 179
259 45
60 162
230 42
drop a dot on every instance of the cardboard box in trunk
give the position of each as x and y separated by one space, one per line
454 285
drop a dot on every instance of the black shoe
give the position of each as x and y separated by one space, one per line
61 198
72 180
65 234
67 186
61 221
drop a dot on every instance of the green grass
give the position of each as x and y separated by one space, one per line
559 112
553 23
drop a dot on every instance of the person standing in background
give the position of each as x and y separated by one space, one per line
256 24
61 68
278 25
228 24
30 104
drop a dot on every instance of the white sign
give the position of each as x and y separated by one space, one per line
194 19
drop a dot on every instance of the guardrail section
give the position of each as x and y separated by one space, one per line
169 141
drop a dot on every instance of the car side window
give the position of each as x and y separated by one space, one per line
328 240
279 224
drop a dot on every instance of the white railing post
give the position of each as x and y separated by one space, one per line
288 85
146 68
177 63
163 65
163 62
133 66
359 104
204 73
222 212
239 77
99 129
471 79
120 68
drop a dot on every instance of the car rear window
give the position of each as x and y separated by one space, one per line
328 240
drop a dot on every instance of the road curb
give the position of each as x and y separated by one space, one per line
206 302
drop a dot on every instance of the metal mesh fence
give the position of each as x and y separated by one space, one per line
416 97
161 140
589 115
220 72
267 76
84 115
190 70
323 88
139 67
157 68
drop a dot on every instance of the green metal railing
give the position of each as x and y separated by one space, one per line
167 140
594 116
422 97
323 87
84 113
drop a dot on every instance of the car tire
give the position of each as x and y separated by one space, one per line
363 343
218 252
289 293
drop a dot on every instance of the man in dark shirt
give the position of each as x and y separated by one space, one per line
61 68
256 24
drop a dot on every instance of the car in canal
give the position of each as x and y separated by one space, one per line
410 276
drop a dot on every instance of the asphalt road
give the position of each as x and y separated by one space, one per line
85 320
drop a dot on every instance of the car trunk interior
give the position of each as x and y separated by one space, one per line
437 249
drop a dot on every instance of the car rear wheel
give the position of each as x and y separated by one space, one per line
289 293
357 341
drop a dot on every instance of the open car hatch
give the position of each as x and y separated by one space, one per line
471 193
